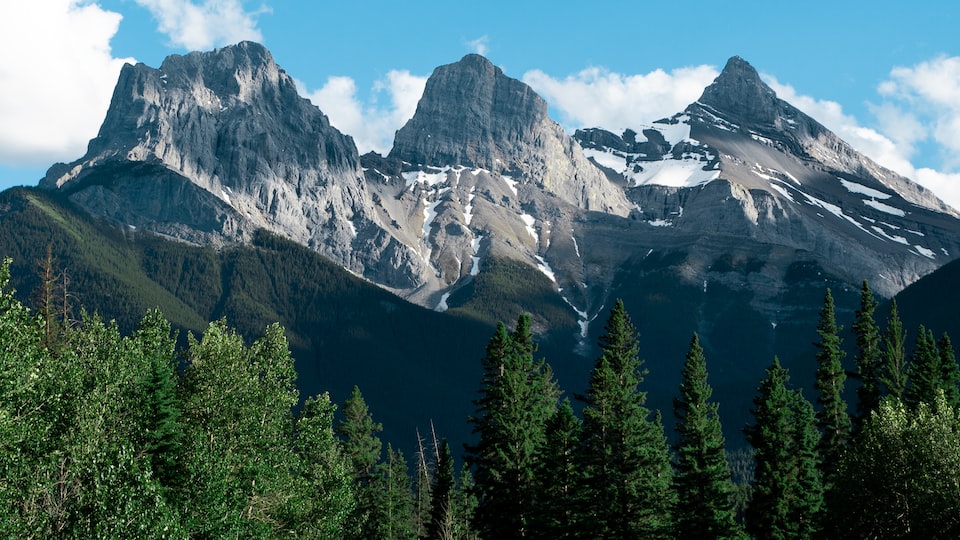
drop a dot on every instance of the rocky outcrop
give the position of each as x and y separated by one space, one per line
212 146
474 116
740 98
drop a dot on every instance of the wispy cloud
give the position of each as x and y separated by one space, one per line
55 97
596 97
372 123
480 45
204 25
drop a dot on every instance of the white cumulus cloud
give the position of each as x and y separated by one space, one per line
200 26
373 122
597 97
927 96
57 76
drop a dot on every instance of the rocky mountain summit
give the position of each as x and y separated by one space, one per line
213 146
741 190
741 165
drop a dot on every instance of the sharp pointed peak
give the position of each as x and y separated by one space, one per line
739 91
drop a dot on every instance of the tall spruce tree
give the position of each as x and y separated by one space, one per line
807 490
702 475
517 396
832 419
558 502
626 463
393 516
442 510
465 503
787 496
894 376
924 373
358 433
155 345
868 357
950 372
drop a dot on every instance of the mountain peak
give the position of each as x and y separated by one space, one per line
739 92
470 114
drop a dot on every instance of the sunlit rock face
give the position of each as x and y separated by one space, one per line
213 146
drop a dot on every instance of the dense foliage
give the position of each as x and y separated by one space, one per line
144 435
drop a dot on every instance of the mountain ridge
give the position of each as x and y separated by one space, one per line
702 222
480 172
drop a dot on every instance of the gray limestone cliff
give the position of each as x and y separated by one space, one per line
472 115
214 145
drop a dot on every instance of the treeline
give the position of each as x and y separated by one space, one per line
111 436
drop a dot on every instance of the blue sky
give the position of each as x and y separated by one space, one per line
883 75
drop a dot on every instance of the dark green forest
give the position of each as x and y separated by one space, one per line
146 433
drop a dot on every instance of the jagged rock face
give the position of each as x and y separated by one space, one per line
744 103
742 164
472 115
212 146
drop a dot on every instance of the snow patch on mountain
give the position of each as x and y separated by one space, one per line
861 189
511 183
529 221
925 252
429 179
442 304
544 267
468 209
877 205
475 246
685 172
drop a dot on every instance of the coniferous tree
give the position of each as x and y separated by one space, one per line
155 345
359 434
832 419
422 487
924 371
868 357
442 511
787 498
950 372
393 515
768 512
894 376
702 475
625 459
807 489
465 503
558 501
362 448
517 396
